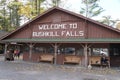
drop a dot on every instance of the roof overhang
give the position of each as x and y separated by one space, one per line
59 40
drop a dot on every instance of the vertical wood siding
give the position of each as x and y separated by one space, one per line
57 16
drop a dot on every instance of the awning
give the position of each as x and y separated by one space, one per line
65 40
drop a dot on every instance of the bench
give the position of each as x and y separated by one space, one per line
96 61
46 58
72 59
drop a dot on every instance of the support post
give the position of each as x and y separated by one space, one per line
30 51
86 55
55 54
5 50
89 59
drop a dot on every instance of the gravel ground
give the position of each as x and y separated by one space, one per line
21 70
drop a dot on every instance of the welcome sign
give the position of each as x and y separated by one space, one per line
57 30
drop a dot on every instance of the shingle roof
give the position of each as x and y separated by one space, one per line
2 33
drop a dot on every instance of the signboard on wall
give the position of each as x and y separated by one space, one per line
63 30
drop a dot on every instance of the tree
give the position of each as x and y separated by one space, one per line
26 11
56 2
14 8
31 9
108 21
52 3
4 16
12 11
118 25
91 8
36 6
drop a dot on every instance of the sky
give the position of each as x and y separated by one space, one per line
111 7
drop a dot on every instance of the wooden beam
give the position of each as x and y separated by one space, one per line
5 50
30 51
86 54
6 45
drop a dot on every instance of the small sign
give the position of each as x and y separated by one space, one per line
13 43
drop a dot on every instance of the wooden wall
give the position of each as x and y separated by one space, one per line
91 30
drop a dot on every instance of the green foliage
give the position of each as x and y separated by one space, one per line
89 1
118 25
52 3
36 6
108 20
12 11
14 15
56 2
91 8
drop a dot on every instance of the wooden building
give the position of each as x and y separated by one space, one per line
61 36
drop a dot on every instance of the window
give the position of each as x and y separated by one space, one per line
25 48
99 51
80 52
51 50
39 49
69 50
116 52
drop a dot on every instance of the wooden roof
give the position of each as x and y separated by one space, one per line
68 12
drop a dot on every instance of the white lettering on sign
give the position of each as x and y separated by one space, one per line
58 30
72 33
37 34
52 26
73 26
